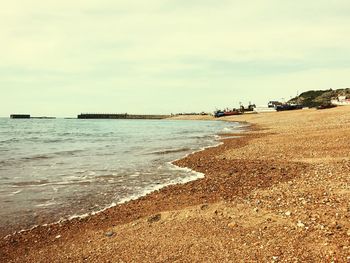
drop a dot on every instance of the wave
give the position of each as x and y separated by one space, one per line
37 157
46 204
31 183
68 152
161 152
43 183
15 192
10 140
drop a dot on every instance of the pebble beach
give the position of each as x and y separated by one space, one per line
279 192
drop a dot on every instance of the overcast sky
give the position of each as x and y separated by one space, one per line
64 57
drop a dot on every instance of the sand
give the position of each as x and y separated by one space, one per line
278 193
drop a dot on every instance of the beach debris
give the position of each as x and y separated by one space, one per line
288 213
58 236
256 209
109 234
154 218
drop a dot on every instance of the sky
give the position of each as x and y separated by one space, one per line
61 58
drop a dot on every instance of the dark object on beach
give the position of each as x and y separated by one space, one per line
285 107
220 113
154 218
274 104
326 106
233 112
250 108
20 116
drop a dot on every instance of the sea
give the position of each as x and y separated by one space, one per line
57 169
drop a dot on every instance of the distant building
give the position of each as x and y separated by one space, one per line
341 101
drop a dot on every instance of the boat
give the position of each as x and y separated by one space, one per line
326 106
221 113
286 107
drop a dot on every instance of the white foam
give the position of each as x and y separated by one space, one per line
16 192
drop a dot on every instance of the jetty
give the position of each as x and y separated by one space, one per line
20 116
120 116
28 116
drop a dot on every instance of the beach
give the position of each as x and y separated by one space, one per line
278 192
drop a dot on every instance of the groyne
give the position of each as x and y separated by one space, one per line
120 116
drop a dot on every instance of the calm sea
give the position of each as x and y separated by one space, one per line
55 169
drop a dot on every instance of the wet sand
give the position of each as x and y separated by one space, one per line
279 192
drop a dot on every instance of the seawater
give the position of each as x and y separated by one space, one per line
55 169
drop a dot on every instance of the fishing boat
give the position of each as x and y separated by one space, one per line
221 113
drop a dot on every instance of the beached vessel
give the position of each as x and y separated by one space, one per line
285 107
220 113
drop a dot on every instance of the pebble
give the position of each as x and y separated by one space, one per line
300 224
109 234
232 225
204 206
154 218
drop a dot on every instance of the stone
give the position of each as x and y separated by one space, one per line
109 234
154 218
204 206
300 224
232 225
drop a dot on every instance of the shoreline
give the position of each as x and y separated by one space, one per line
256 202
27 234
191 177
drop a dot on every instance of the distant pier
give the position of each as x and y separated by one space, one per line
20 116
27 116
120 116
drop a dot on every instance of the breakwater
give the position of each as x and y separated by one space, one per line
20 116
120 116
28 116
